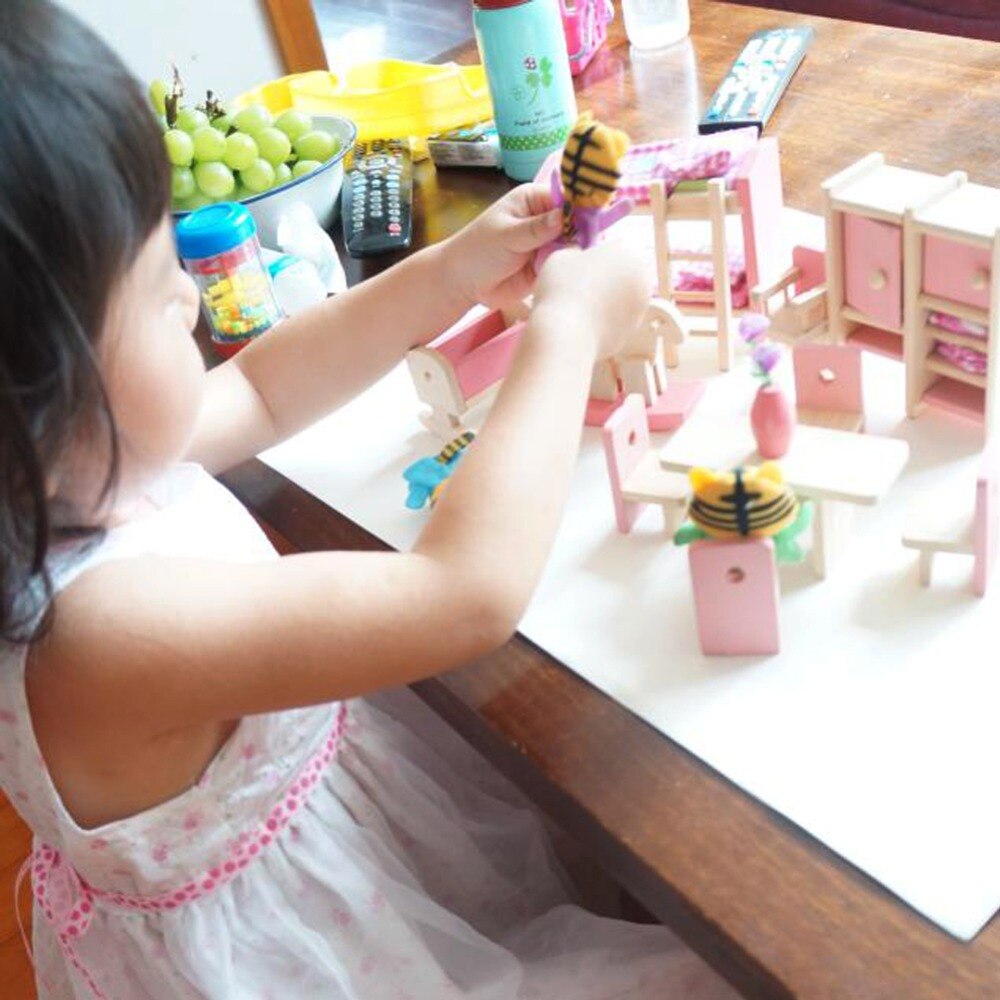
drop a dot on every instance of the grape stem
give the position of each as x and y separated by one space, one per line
171 103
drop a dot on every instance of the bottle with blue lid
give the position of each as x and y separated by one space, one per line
523 47
220 250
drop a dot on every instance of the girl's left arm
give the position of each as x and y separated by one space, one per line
315 361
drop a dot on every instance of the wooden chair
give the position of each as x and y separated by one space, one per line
735 586
635 473
934 527
828 386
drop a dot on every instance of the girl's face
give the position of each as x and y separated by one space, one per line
153 374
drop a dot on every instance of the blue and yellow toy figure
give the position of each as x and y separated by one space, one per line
752 502
427 476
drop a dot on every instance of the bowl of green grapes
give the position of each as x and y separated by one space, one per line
266 161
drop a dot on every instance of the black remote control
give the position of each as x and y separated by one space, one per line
377 202
750 92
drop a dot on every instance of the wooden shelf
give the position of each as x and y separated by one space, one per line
948 370
971 313
855 316
958 339
884 342
959 398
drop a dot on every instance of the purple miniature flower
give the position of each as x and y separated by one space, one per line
765 358
753 327
530 63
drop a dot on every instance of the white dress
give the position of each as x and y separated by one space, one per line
344 851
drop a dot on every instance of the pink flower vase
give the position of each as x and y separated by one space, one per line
772 419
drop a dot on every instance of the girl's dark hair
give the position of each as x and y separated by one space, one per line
83 183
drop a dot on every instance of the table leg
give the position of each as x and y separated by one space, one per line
830 525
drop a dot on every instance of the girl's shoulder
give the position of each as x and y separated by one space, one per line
189 514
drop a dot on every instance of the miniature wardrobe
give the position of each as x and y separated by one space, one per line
913 269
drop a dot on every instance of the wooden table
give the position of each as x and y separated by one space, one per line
831 467
772 909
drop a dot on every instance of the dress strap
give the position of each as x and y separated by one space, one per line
68 902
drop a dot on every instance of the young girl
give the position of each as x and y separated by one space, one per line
217 813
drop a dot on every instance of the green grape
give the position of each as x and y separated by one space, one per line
304 167
315 145
259 176
208 144
158 91
240 192
294 123
191 119
180 148
196 201
161 120
223 123
252 118
282 174
214 179
273 145
241 151
182 185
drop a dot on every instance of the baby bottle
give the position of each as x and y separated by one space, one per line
523 48
218 244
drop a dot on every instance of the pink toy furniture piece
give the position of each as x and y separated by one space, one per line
803 291
735 588
634 470
753 192
828 386
585 23
934 527
456 370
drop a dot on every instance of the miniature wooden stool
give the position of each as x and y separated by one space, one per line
735 587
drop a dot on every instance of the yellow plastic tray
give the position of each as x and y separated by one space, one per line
386 98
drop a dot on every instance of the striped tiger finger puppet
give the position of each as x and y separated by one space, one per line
750 502
426 478
587 181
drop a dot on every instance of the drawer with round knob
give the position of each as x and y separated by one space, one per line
956 271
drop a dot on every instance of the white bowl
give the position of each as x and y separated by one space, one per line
319 189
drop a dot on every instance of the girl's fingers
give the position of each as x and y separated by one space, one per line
533 233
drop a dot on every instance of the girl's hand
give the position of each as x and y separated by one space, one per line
490 261
602 291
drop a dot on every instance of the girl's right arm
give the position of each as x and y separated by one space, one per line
156 644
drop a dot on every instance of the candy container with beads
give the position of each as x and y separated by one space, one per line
586 183
427 476
752 502
218 244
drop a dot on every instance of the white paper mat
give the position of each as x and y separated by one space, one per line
876 728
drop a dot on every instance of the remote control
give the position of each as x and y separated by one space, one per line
377 203
750 92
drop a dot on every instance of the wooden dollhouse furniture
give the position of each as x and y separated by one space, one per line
952 270
802 288
934 527
834 468
865 206
639 368
634 471
754 195
735 587
458 369
828 386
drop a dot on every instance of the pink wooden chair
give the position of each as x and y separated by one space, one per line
934 527
828 386
735 587
637 479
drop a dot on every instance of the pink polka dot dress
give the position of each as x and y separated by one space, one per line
346 852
